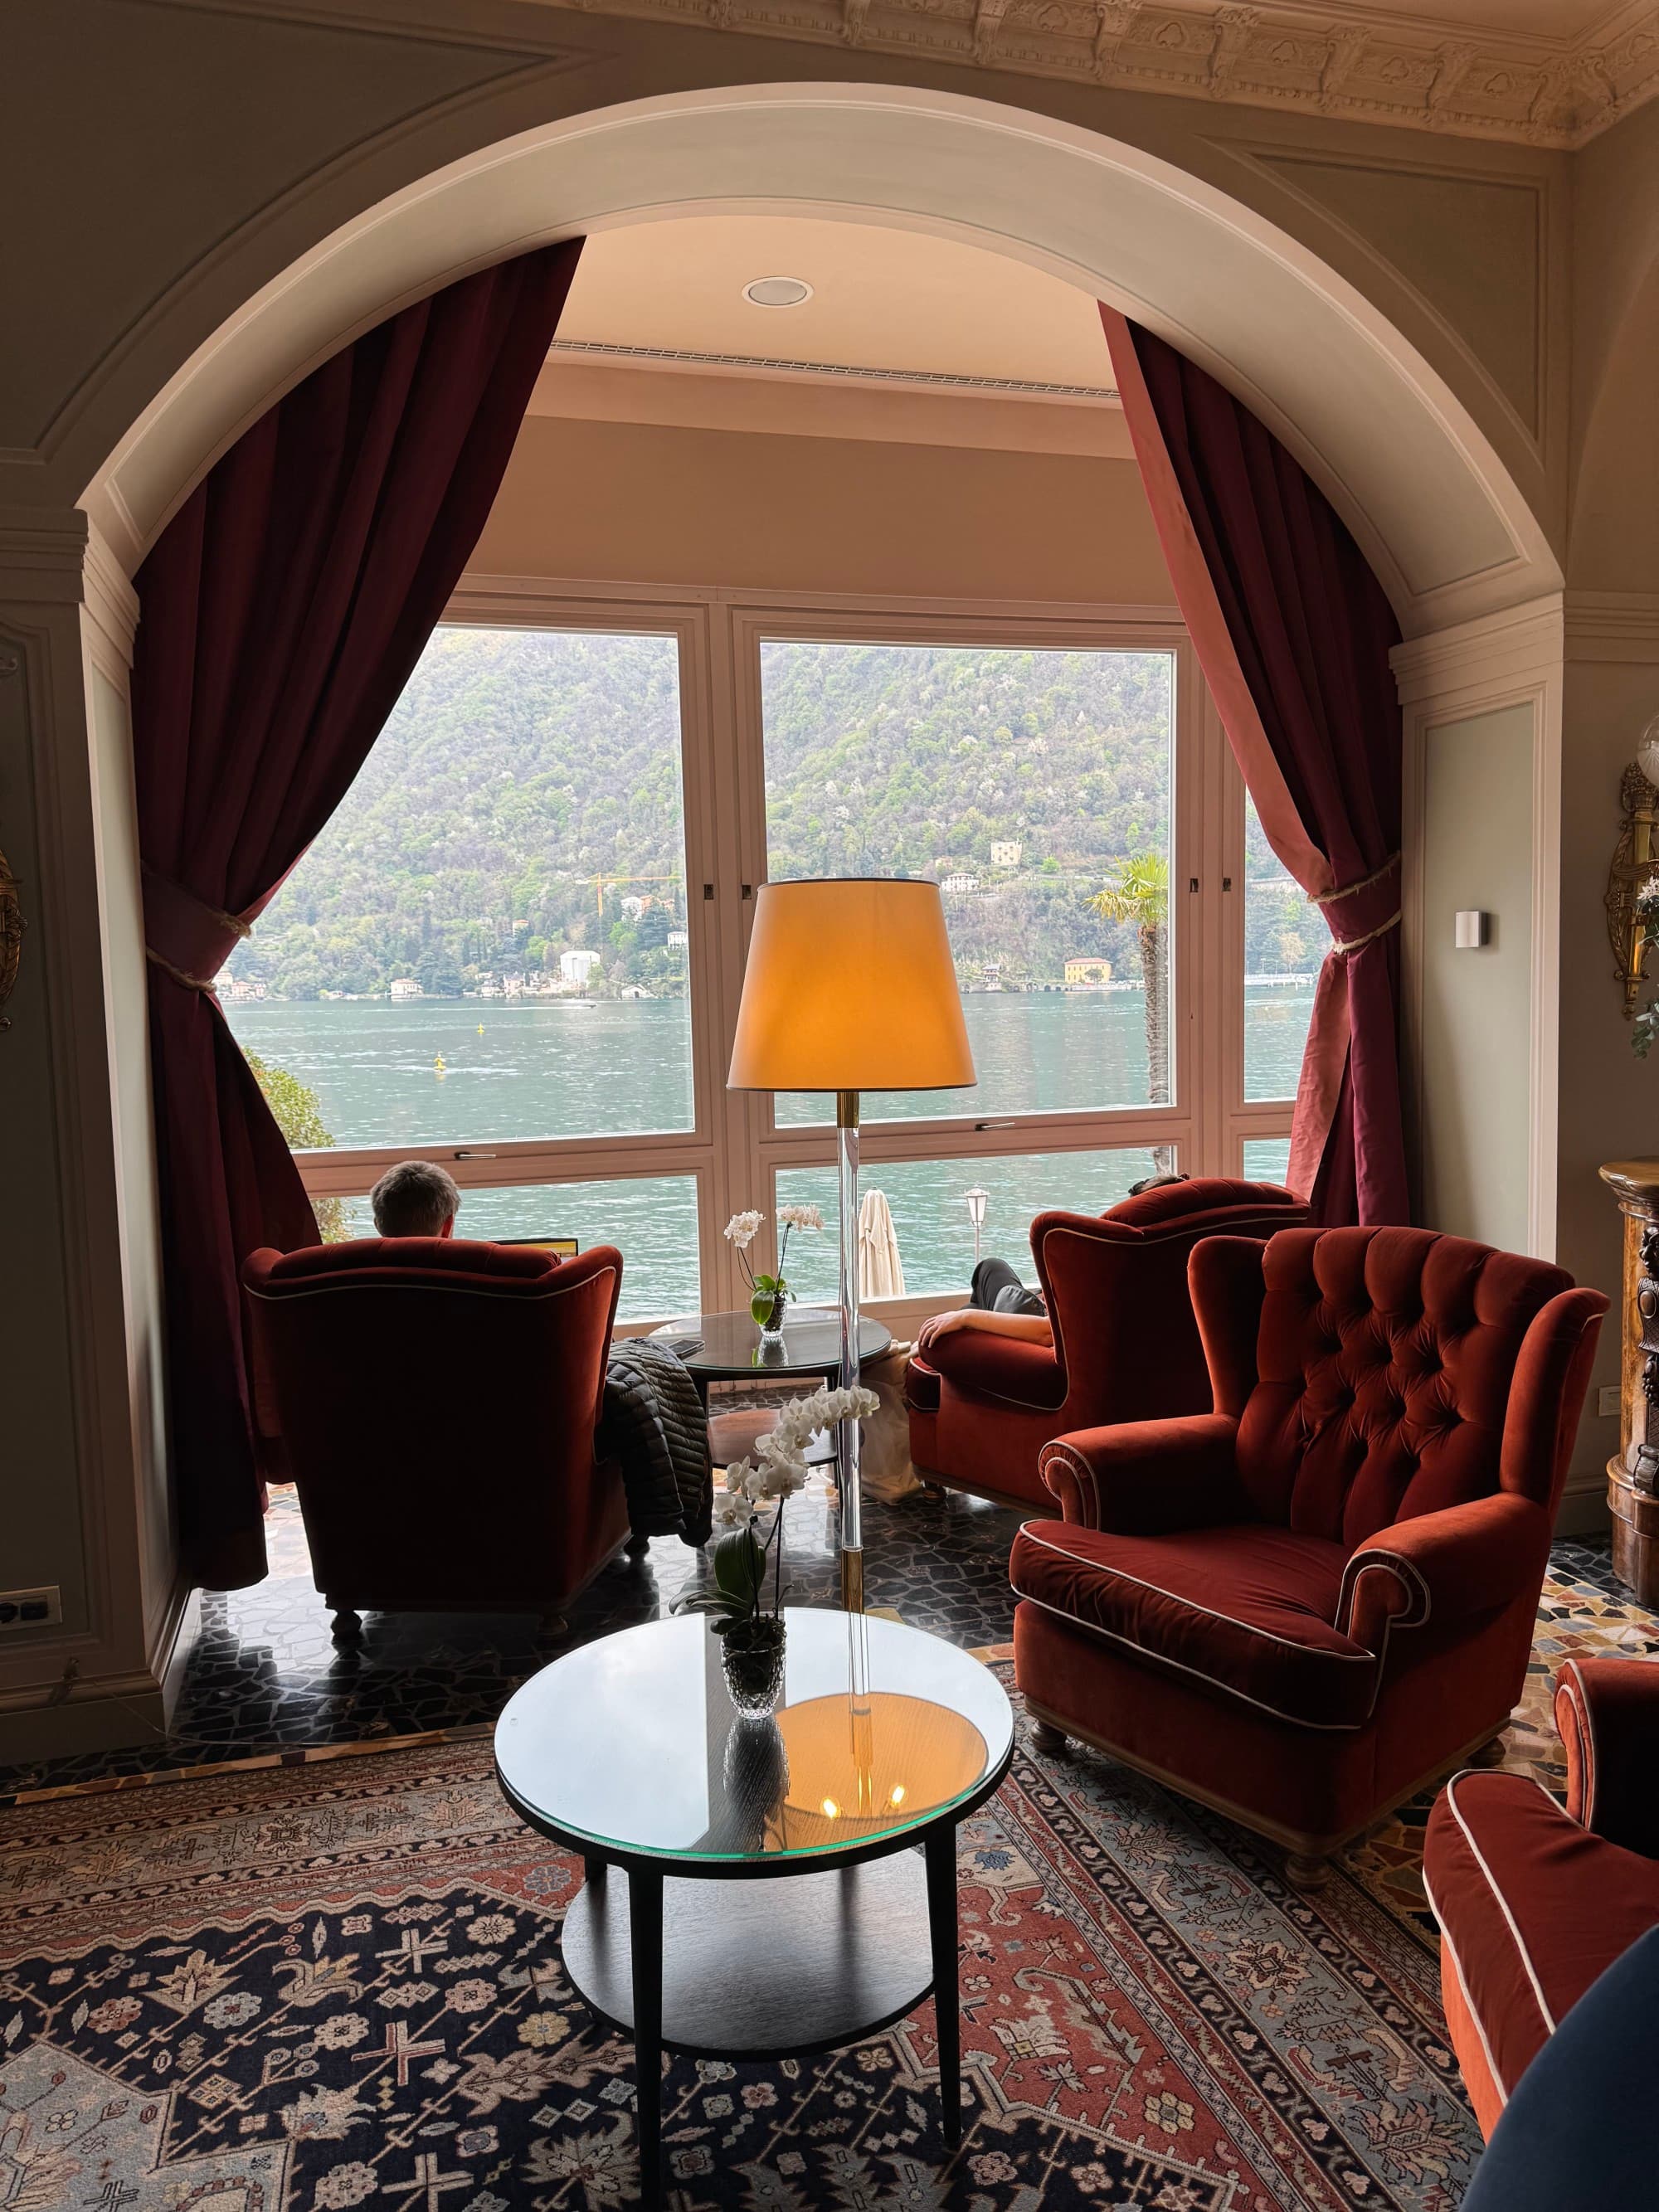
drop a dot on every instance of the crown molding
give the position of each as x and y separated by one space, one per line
1490 655
1613 626
1316 59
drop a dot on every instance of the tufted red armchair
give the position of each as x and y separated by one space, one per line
1300 1607
435 1402
1126 1346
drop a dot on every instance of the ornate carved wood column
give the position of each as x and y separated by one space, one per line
1633 1472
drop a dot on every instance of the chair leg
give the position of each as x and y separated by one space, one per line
1490 1754
1048 1739
1304 1872
347 1626
552 1626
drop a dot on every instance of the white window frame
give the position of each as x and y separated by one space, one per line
733 1149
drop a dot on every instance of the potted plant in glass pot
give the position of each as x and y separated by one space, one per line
751 1554
769 1295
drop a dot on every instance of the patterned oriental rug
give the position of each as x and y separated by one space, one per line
312 1987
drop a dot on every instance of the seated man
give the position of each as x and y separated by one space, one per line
416 1197
999 1305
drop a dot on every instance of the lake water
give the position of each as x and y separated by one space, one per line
623 1067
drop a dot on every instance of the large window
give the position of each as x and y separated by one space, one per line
518 947
1035 788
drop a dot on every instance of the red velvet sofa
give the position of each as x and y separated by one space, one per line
1534 1901
1300 1607
435 1403
1126 1346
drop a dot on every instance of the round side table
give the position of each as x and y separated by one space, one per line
791 1881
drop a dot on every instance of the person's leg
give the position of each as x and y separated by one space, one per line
991 1278
997 1289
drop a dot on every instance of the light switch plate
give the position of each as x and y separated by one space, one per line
1607 1401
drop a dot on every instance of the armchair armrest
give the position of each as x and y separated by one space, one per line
1007 1368
1442 1566
1147 1478
1607 1713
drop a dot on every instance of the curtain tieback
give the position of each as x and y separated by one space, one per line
1353 944
1358 914
184 936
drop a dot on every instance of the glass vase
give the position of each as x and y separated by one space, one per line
751 1656
766 1310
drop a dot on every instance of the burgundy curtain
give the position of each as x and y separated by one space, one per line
281 611
1293 632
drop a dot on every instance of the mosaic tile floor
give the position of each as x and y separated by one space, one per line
264 1674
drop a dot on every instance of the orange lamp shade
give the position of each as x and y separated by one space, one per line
850 986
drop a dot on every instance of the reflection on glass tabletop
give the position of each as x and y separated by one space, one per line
633 1741
731 1343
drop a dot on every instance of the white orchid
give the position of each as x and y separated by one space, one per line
800 1217
743 1228
772 1477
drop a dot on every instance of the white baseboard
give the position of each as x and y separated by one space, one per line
104 1712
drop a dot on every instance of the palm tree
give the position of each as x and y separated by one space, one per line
1140 895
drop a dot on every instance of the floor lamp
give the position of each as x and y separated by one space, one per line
849 987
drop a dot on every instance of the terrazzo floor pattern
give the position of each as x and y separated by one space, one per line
264 1675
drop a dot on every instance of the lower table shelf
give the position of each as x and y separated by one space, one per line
769 1968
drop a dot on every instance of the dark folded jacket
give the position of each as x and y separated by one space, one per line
656 1430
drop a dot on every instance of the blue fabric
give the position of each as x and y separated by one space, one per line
1579 2131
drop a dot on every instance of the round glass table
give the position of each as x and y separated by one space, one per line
775 1903
729 1349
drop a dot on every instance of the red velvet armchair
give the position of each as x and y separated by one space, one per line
435 1403
1300 1607
1533 1901
1126 1346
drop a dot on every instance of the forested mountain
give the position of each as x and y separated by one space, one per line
528 785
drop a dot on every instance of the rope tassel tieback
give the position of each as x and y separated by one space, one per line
185 937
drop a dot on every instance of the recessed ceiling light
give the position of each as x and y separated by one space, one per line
777 292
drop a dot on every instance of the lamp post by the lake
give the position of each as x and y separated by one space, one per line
976 1198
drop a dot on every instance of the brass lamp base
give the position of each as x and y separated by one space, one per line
851 1581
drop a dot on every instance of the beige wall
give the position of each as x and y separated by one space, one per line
1475 850
638 503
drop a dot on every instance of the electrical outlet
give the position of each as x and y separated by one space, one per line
1607 1401
31 1608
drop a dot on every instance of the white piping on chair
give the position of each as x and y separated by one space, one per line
1591 1757
1162 1659
1521 1951
1403 1569
1076 1460
1192 1605
1469 2005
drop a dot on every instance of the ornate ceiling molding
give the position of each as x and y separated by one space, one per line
1527 89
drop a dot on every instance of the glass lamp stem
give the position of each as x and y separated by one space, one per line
851 1530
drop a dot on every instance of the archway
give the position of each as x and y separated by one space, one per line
1420 486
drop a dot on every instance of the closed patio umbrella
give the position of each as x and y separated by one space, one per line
881 1271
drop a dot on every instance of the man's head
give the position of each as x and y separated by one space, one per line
414 1199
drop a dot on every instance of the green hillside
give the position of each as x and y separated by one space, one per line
528 783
